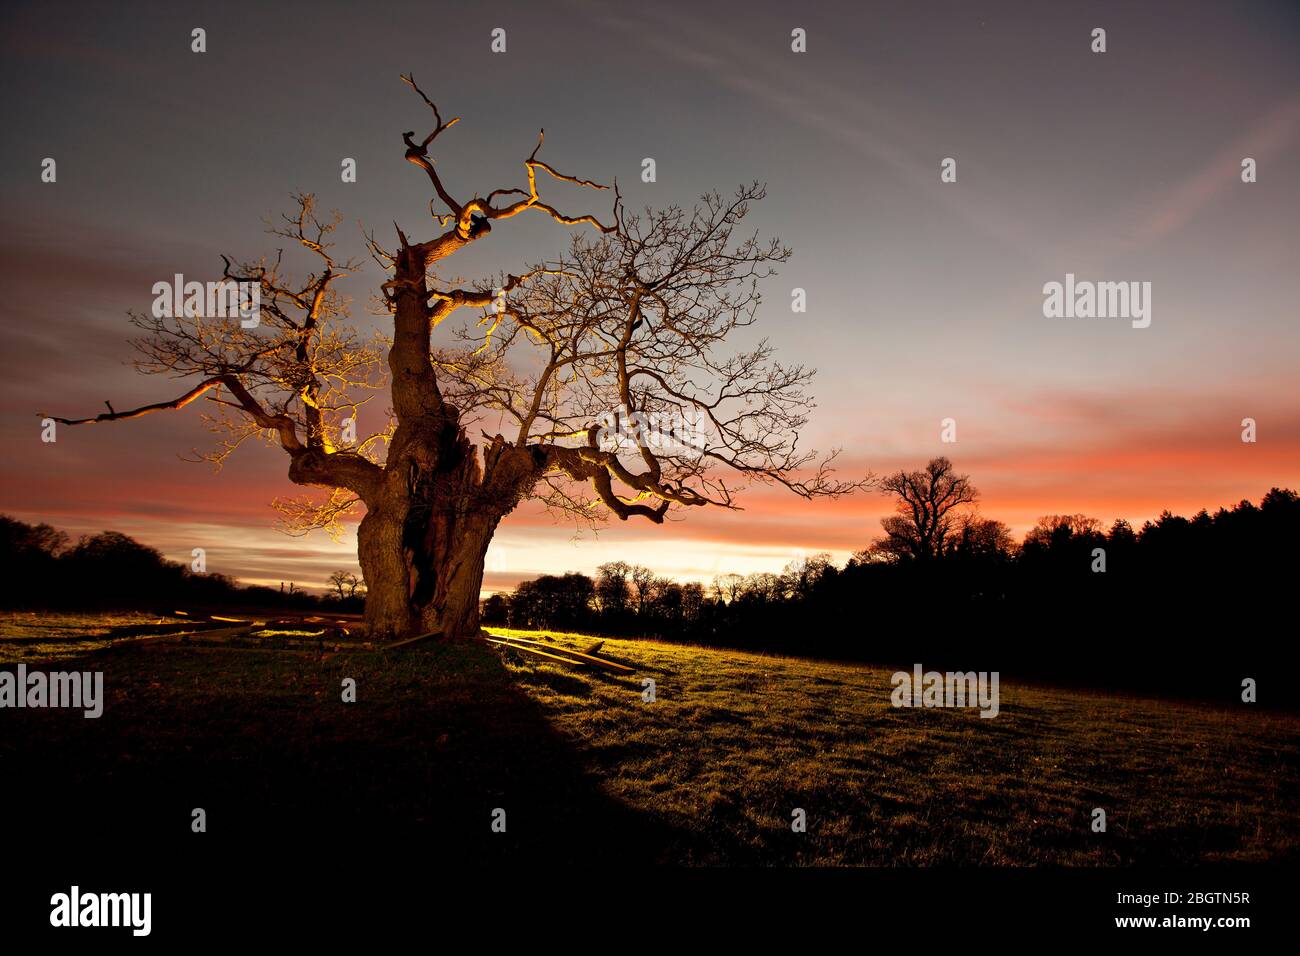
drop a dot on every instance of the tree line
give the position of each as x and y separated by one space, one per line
1187 603
1178 602
42 567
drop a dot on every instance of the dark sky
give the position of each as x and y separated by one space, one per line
925 298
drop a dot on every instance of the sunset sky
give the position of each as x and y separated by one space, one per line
925 299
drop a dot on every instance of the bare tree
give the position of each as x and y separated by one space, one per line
800 576
981 538
611 586
929 503
728 587
595 380
1058 531
692 600
346 583
643 580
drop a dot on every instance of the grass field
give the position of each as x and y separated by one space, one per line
709 773
734 742
35 636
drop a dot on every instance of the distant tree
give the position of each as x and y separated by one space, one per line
496 610
800 576
1060 528
1280 501
980 539
558 601
1121 545
113 568
727 587
611 587
642 585
692 600
346 584
18 538
667 600
29 561
929 503
113 546
761 588
1121 534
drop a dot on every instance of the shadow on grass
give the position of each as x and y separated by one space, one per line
437 740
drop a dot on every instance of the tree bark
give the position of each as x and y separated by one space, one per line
422 552
425 535
432 515
379 550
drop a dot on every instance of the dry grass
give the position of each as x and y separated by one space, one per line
707 774
40 635
735 742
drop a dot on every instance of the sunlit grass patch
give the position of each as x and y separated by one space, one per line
39 635
734 742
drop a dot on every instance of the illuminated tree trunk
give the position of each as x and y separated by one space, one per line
379 550
426 532
422 543
423 570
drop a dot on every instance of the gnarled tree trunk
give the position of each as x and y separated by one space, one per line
379 549
424 569
424 539
427 528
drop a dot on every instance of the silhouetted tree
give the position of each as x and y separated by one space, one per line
346 584
29 556
692 601
611 587
800 576
553 601
632 323
642 583
727 587
980 539
928 509
496 610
